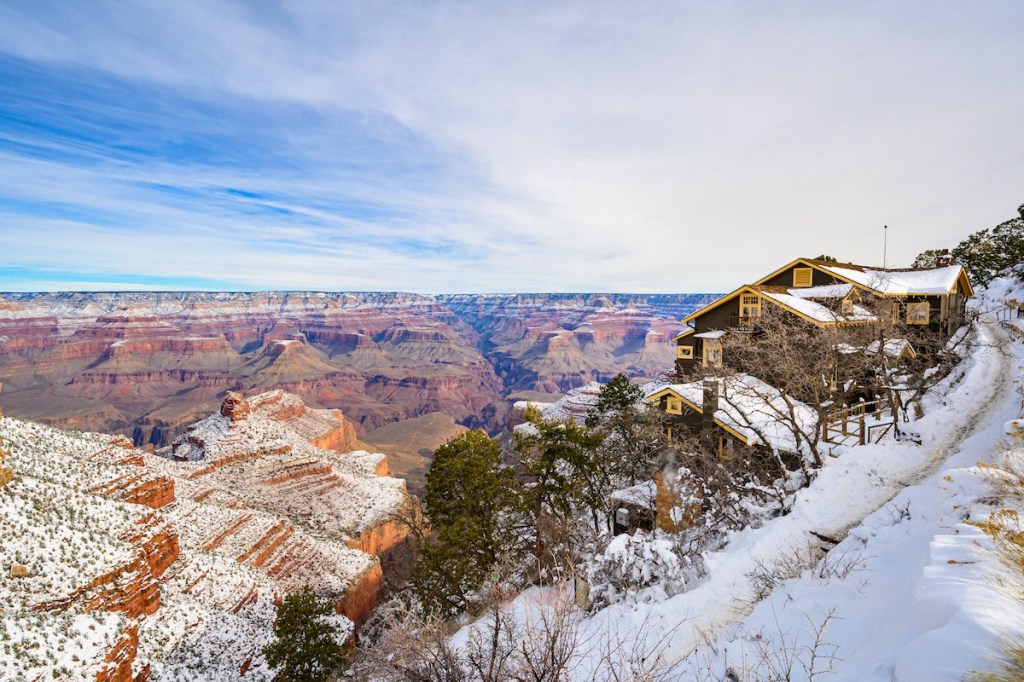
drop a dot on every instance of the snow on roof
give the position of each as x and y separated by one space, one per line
756 410
901 282
640 495
824 291
893 348
819 312
717 334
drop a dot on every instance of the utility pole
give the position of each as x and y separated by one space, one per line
885 248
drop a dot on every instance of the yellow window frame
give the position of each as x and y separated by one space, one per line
674 406
914 310
712 353
750 305
684 352
802 277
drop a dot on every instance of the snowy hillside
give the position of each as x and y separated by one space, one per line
117 563
887 566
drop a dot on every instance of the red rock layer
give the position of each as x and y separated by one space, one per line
362 596
132 589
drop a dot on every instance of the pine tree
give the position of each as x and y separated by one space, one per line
986 253
305 646
470 499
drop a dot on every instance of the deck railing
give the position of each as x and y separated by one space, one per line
860 419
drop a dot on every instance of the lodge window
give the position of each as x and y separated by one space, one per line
674 406
750 306
684 352
802 277
917 313
712 353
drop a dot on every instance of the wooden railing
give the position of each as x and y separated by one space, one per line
857 420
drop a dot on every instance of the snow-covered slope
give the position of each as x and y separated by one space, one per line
912 591
115 562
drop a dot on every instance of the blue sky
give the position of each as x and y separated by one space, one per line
464 147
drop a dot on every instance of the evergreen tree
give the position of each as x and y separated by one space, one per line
633 435
306 646
563 478
986 253
618 399
471 500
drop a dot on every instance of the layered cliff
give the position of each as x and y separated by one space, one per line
118 564
148 364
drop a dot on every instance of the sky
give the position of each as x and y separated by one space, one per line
444 147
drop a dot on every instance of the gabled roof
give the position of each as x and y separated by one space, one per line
686 332
889 281
812 310
801 306
714 304
750 409
935 281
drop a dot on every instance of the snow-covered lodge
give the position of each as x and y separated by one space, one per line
931 303
927 307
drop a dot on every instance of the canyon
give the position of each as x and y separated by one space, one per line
121 564
146 365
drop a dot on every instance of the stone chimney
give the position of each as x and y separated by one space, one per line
944 259
234 407
710 405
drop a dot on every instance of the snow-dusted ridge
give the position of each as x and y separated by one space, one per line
184 583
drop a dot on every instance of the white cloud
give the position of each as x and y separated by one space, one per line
639 146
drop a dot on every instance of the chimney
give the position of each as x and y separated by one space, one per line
710 400
944 259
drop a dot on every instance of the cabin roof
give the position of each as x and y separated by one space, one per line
889 281
755 412
902 282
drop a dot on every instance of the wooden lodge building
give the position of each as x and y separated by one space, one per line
743 411
930 302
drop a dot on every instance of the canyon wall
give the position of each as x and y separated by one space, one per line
147 364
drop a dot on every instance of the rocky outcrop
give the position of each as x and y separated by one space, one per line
140 488
234 407
117 665
133 588
362 596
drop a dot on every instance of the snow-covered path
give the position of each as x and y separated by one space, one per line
848 490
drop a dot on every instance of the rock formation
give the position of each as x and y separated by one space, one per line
148 364
175 564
